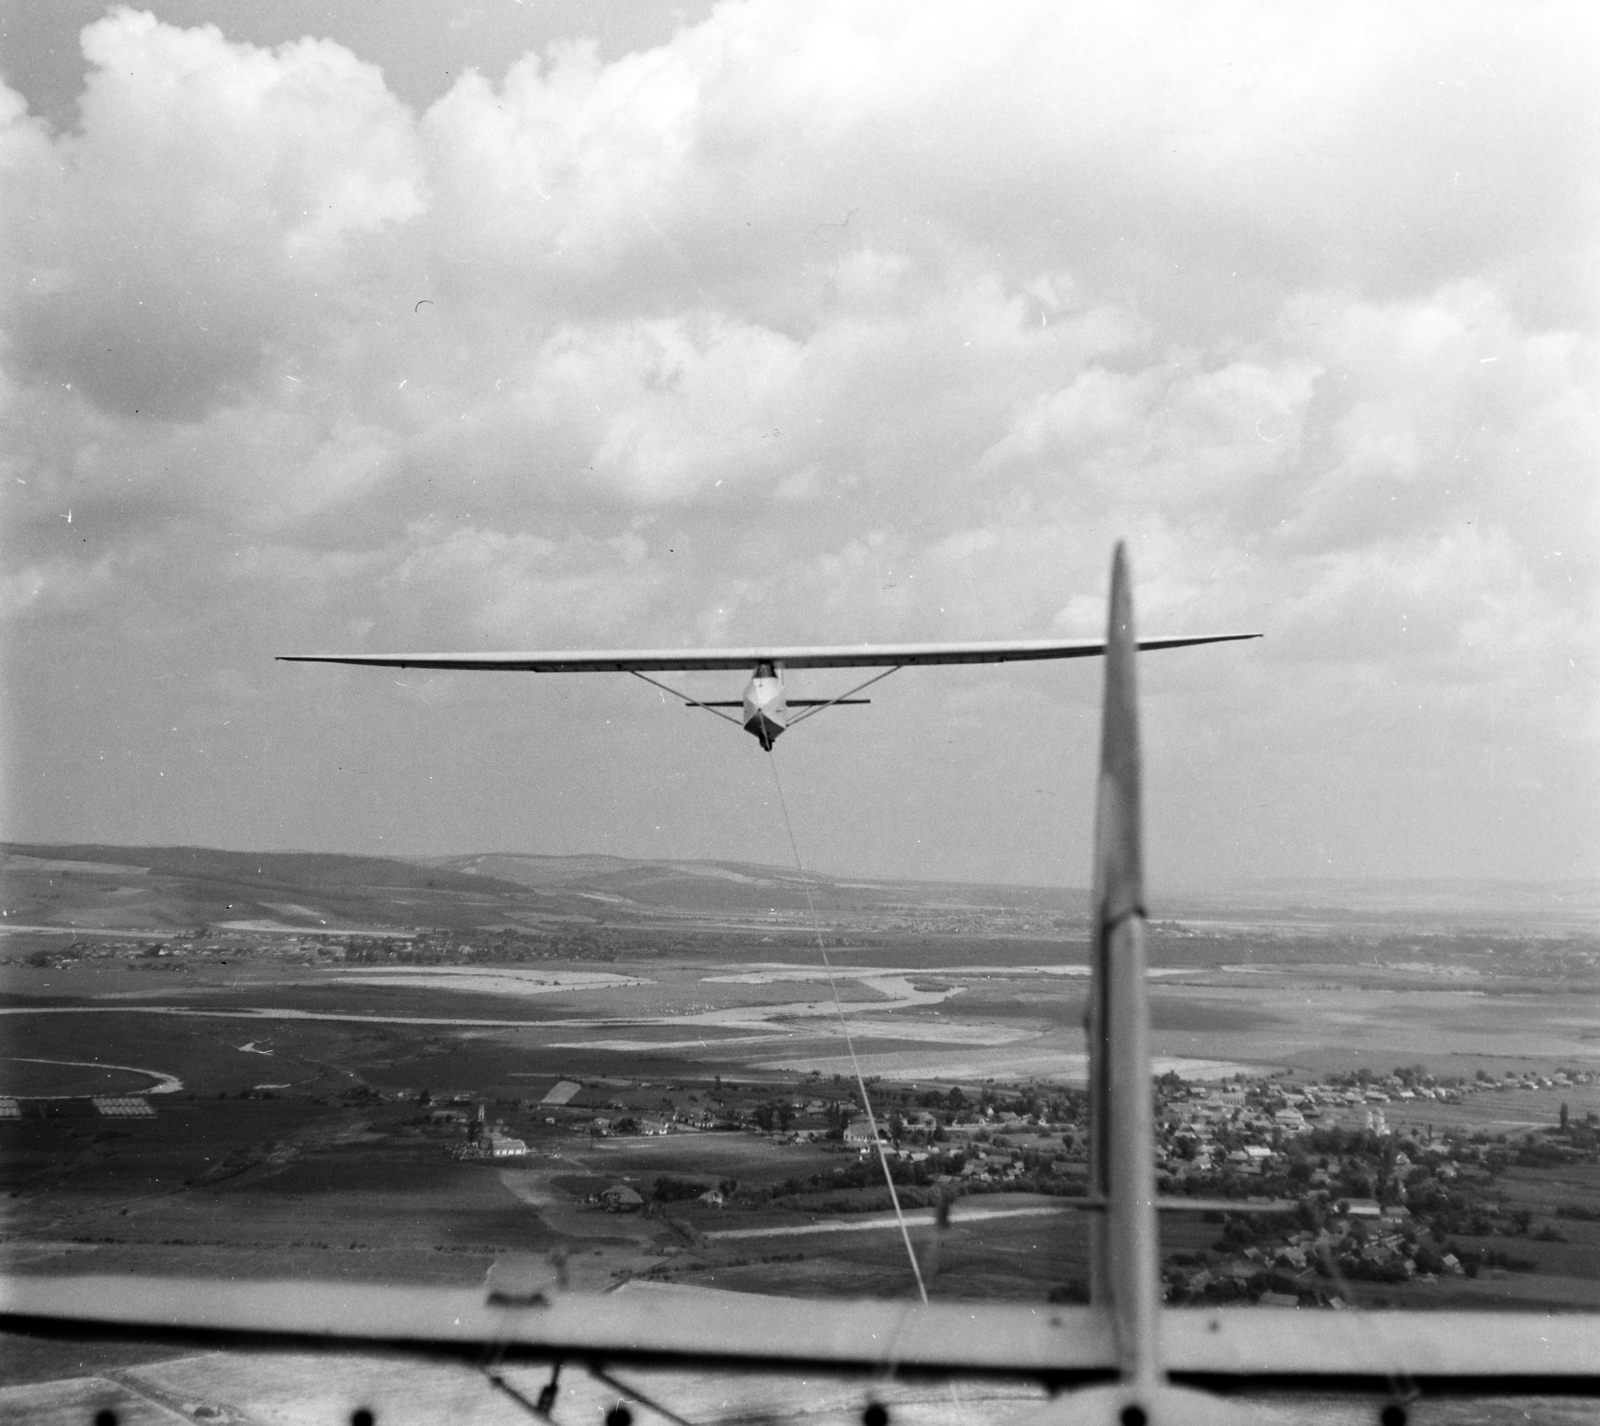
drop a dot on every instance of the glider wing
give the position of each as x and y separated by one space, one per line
798 656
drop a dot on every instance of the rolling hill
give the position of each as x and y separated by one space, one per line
177 889
94 887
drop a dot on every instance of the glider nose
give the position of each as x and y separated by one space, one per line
763 729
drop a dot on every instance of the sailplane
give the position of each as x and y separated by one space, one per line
1123 1358
766 705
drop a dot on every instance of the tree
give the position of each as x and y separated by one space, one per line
1237 1235
1564 1116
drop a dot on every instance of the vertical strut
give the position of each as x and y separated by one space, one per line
1125 1246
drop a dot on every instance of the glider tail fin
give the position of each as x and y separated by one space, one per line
1125 1253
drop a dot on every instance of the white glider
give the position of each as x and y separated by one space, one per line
765 703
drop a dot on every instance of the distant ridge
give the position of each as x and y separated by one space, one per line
1577 898
94 886
99 887
104 887
535 870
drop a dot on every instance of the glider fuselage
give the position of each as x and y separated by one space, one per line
766 709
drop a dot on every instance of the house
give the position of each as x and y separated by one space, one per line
859 1131
490 1146
123 1106
712 1198
619 1198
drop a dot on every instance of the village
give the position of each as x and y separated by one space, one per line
1311 1189
1300 1186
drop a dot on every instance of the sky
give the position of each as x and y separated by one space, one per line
515 326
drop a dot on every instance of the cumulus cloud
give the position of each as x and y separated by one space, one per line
209 214
826 323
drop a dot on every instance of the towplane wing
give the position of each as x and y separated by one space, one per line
1124 1358
1226 1349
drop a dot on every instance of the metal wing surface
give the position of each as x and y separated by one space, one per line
790 656
666 1328
1226 1349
